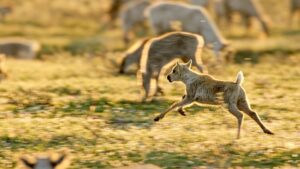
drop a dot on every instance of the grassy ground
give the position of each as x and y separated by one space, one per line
79 101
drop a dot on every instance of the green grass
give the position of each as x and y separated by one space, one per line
72 97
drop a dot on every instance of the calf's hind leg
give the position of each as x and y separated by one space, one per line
235 111
244 106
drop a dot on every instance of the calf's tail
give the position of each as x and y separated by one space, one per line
240 78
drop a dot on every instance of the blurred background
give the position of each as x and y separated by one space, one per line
61 89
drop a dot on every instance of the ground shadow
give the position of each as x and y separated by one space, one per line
254 56
171 160
90 164
232 156
229 158
124 113
19 143
291 32
261 160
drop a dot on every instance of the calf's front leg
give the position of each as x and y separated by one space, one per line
180 109
180 104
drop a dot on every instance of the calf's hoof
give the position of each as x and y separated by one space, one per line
182 112
157 118
268 132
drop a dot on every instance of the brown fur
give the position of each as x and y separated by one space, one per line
205 89
160 51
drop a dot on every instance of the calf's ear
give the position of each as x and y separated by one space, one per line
59 160
27 163
189 64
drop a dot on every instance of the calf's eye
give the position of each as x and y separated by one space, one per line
174 71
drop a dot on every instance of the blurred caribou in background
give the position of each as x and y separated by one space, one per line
4 10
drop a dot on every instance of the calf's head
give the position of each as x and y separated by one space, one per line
179 71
